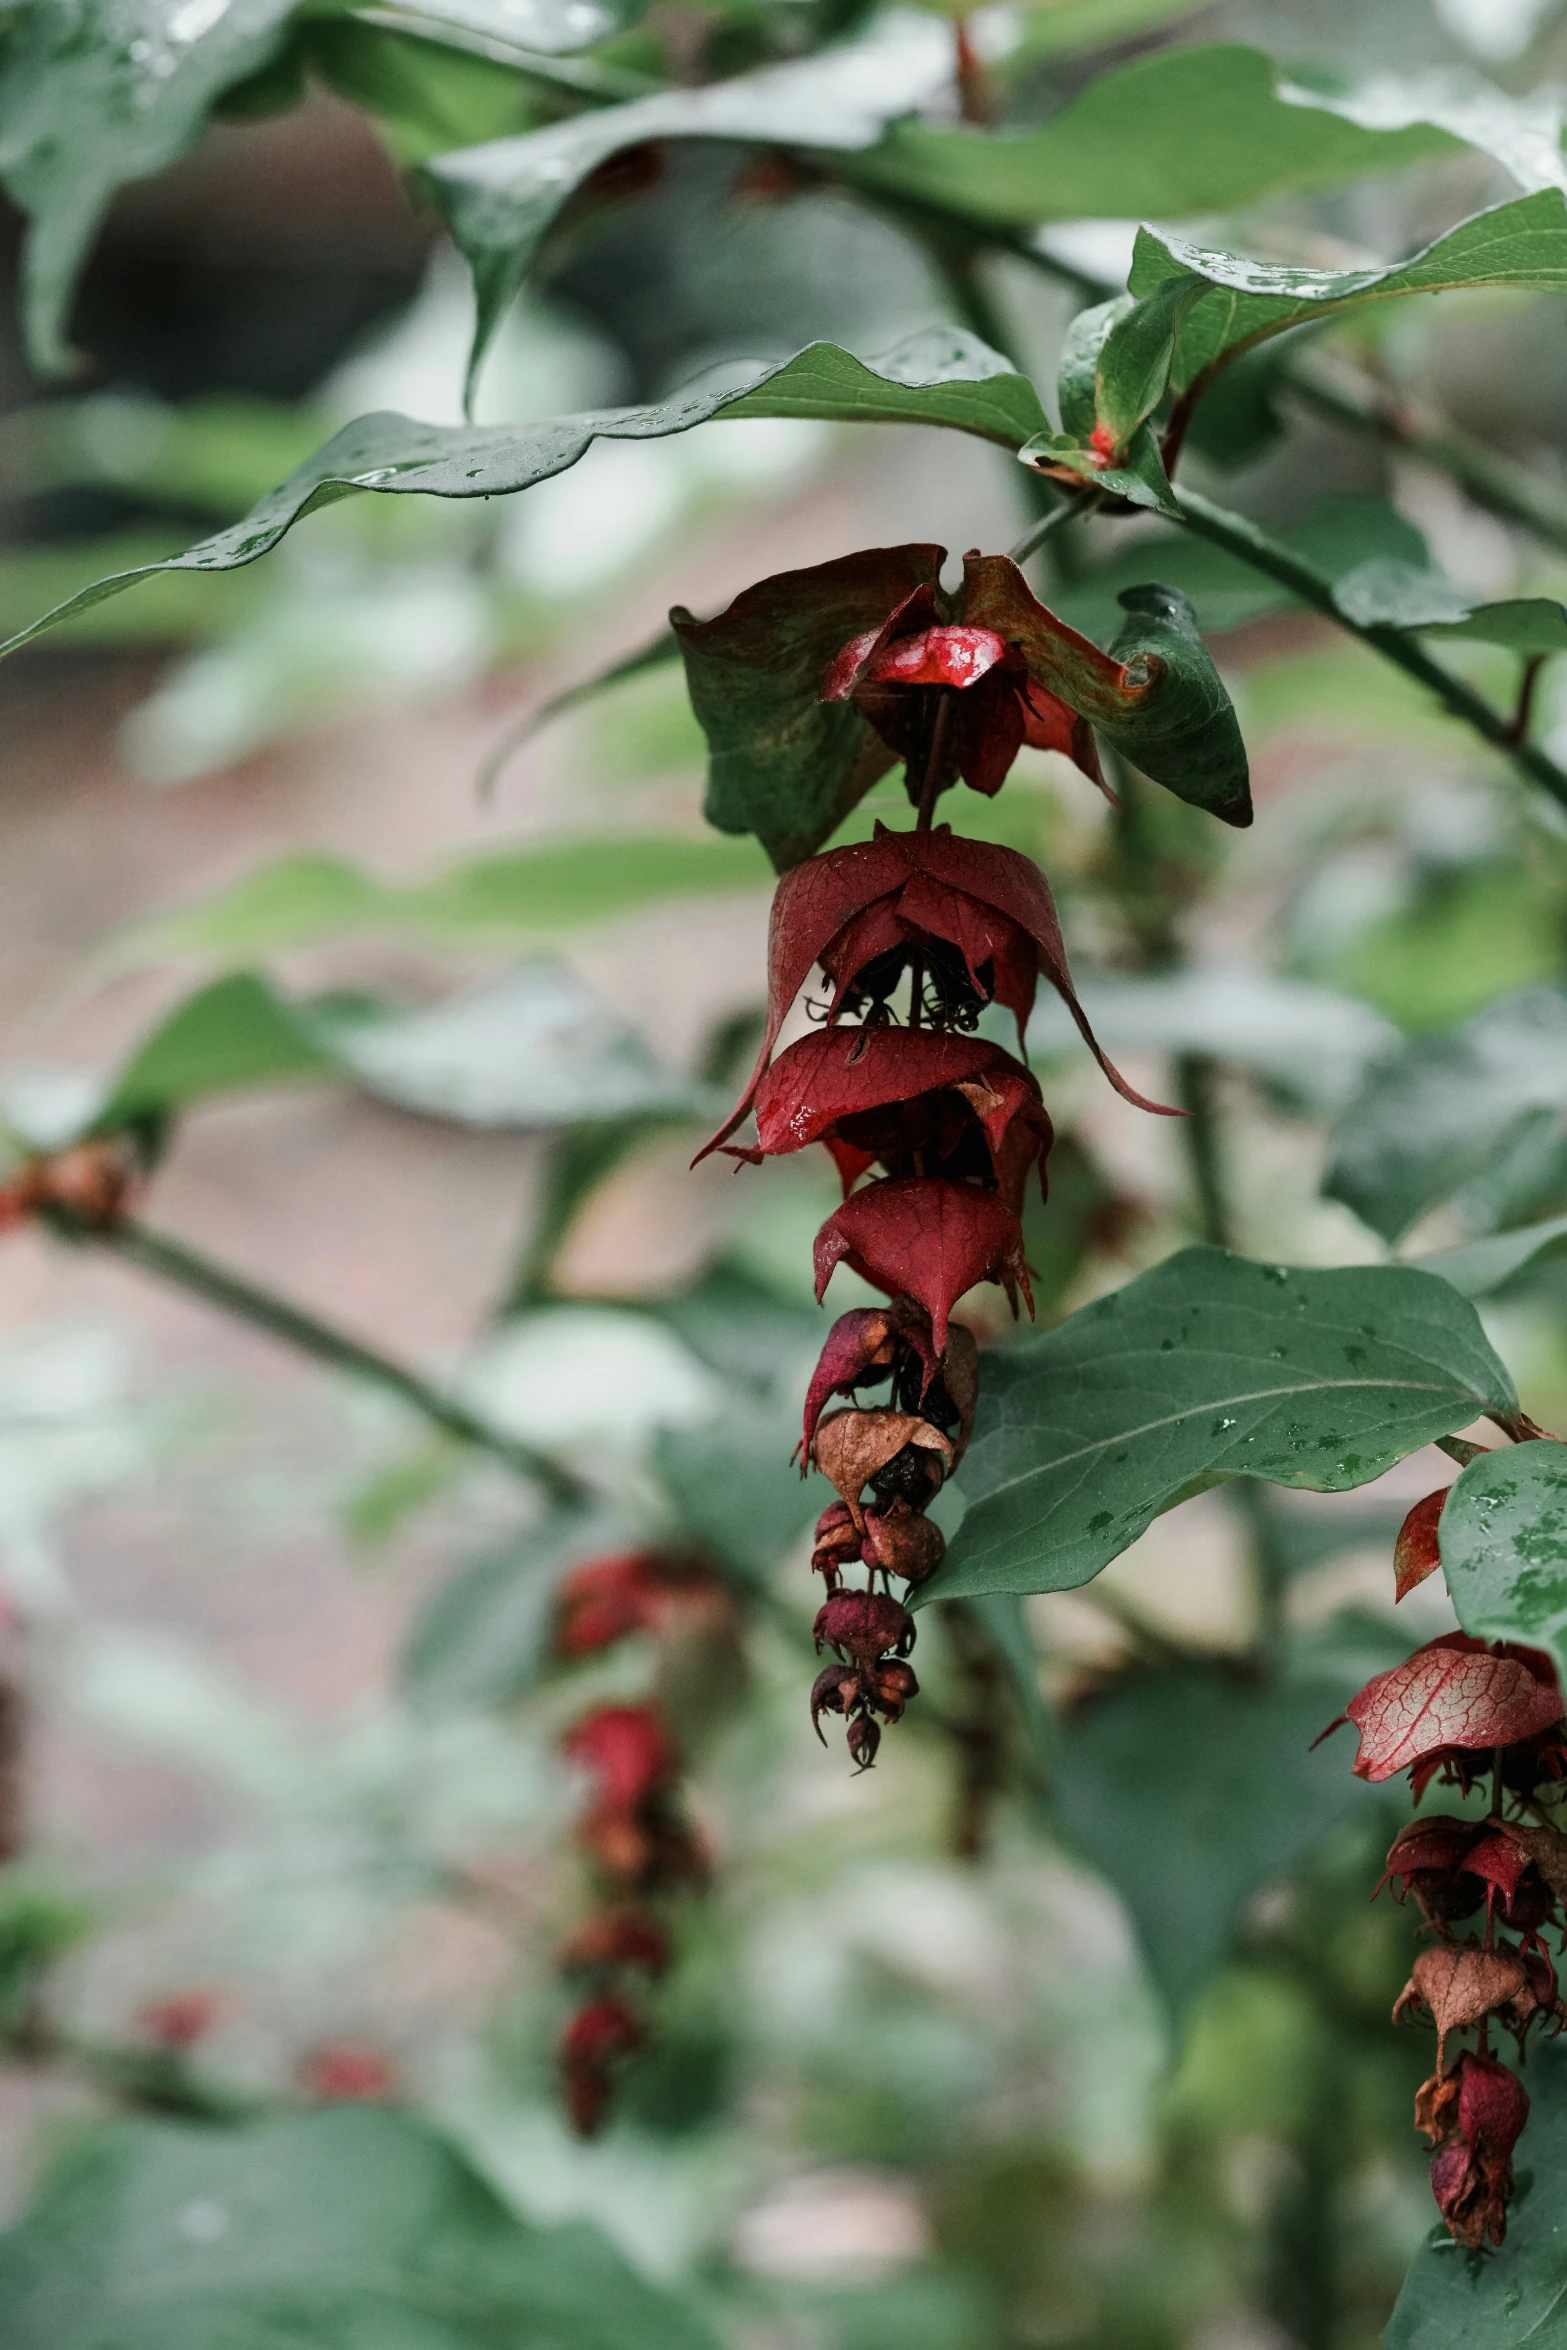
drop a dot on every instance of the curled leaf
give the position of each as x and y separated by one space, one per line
1415 1553
1453 1693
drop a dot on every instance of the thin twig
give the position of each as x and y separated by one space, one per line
1243 538
173 1261
1076 506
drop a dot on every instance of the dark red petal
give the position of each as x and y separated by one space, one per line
952 656
1493 2104
1415 1553
925 1238
987 734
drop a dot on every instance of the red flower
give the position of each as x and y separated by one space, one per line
625 1749
1454 1697
181 2020
895 675
920 1237
912 893
615 1939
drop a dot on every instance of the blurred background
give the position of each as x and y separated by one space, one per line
899 2093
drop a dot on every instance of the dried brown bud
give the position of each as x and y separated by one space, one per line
898 1542
851 1446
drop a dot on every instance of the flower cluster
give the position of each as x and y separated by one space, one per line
1467 1712
935 1130
634 1827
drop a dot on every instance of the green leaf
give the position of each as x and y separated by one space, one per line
1503 1537
501 199
1003 1616
734 1486
939 376
1205 128
1438 1112
555 886
93 94
534 1048
355 2224
1185 733
1522 244
1481 1267
483 1636
1514 2300
1069 26
1194 1788
234 1033
1206 1368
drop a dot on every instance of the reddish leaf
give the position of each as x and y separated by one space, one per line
1454 1692
1459 1987
1415 1553
930 1240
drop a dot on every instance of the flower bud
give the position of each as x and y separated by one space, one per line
864 1738
897 1542
862 1626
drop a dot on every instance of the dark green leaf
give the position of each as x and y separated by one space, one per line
939 376
1439 1111
500 199
1503 1536
1208 1367
94 93
1522 244
1481 1267
482 1637
1186 130
1515 2299
1003 1616
1184 733
355 2224
1192 1789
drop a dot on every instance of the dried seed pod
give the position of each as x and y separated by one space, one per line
899 1542
851 1446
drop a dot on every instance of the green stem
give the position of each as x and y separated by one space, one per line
1196 1084
215 1285
1252 545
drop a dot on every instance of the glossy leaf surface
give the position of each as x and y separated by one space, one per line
1233 303
94 93
354 2223
938 376
500 199
1503 1537
1208 1367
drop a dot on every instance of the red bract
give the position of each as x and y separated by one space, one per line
594 2048
617 1938
920 1237
625 1749
181 2020
1484 2107
1415 1553
906 1097
348 2072
1456 1694
605 1599
893 674
917 889
863 1626
861 1345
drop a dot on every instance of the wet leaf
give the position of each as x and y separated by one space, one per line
1233 303
938 376
93 94
500 199
357 2222
1208 1367
1504 1546
1449 1693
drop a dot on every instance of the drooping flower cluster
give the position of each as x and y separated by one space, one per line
936 1131
1467 1713
634 1827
